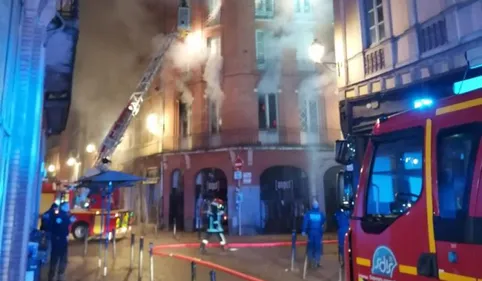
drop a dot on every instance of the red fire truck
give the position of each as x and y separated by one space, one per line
416 214
86 206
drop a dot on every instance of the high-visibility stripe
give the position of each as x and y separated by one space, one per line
458 106
406 269
454 277
428 185
363 262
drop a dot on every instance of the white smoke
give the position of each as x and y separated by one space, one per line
296 32
183 56
212 77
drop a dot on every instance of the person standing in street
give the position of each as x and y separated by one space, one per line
313 227
59 240
215 217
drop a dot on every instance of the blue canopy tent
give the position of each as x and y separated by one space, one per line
105 181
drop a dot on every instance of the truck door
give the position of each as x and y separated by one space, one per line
456 179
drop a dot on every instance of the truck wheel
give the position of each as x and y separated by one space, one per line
80 231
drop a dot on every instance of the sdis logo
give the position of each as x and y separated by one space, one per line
383 262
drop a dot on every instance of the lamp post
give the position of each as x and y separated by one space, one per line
316 52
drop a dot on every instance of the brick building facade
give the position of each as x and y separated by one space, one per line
269 116
277 111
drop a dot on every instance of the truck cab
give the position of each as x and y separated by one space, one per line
417 212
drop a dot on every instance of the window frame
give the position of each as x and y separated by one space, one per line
463 218
302 5
267 120
218 43
217 118
375 224
376 22
264 13
306 102
260 50
210 5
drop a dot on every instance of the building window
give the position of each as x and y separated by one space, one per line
376 20
264 9
395 182
267 112
214 45
309 116
214 12
433 36
214 118
260 48
302 6
184 120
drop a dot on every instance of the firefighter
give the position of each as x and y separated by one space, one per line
215 215
342 217
313 227
59 241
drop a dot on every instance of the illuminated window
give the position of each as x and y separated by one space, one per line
264 8
375 20
267 112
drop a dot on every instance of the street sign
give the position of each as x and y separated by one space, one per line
238 163
238 175
247 178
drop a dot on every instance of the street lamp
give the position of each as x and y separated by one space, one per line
154 124
51 168
90 148
195 42
316 51
71 161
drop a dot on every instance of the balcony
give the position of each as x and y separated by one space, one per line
61 43
240 137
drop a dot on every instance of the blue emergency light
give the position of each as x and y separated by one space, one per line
421 103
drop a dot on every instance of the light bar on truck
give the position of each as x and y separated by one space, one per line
421 103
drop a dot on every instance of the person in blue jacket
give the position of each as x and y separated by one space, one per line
343 220
313 227
215 218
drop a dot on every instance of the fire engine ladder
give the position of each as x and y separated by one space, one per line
117 131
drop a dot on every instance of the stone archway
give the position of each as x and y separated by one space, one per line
284 197
210 183
176 200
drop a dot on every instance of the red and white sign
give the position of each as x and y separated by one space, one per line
238 163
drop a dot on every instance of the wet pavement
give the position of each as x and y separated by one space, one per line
269 264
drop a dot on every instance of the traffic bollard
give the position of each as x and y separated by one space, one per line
212 274
305 264
193 271
293 249
141 249
114 247
86 243
174 228
151 262
133 238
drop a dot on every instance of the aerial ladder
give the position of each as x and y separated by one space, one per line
118 129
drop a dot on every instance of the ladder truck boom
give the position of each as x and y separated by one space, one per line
118 129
